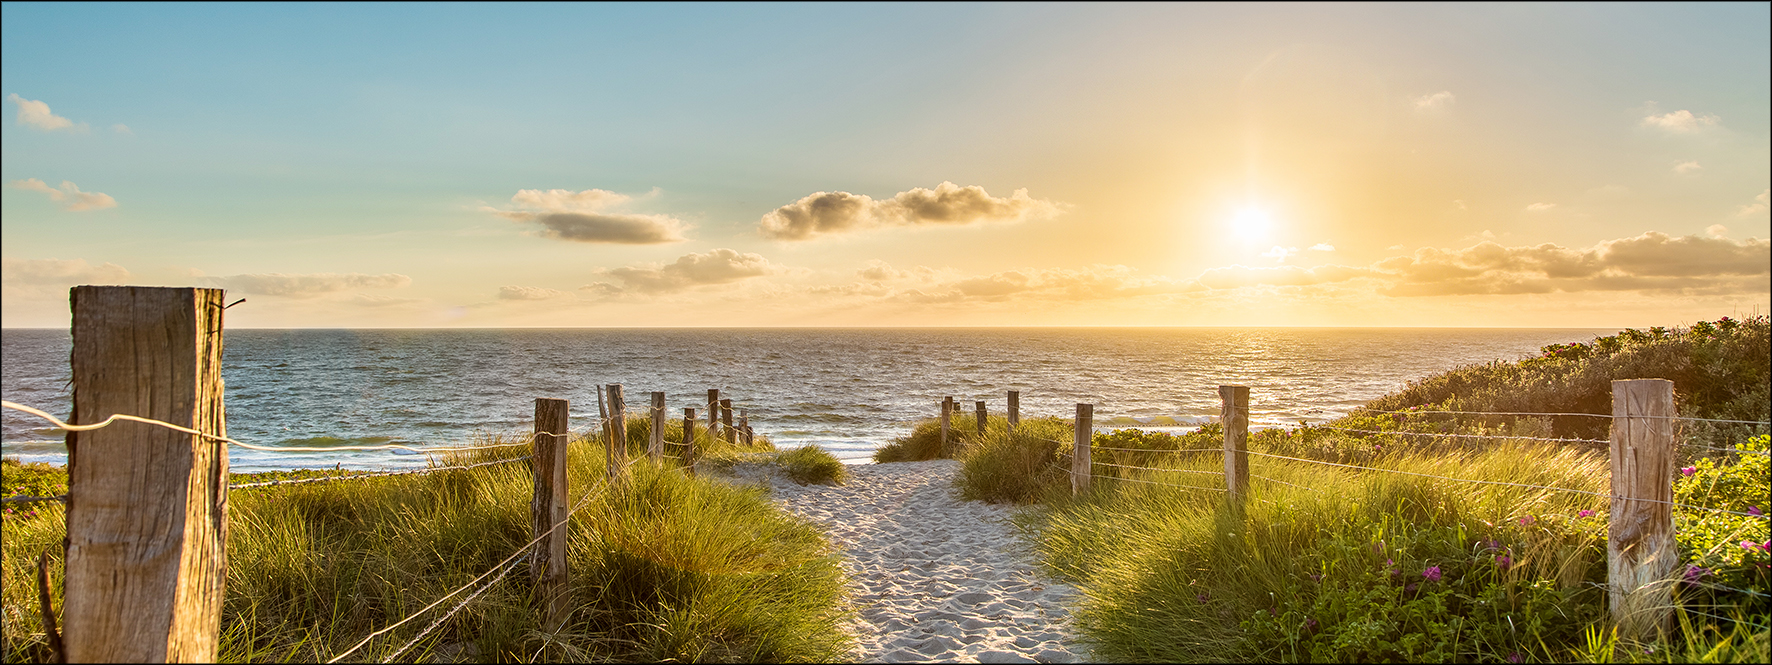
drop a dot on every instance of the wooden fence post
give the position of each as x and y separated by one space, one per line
1080 468
618 434
726 422
947 411
147 518
1234 416
744 427
713 413
603 413
656 449
982 417
689 440
1640 552
1014 409
547 567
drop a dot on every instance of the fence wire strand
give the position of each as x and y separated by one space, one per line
381 474
1589 415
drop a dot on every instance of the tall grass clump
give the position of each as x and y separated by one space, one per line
924 441
662 567
811 464
1019 466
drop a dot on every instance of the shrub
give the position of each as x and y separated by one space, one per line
1015 467
924 441
811 464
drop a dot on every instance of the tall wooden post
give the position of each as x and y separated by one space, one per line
618 434
726 422
689 440
947 414
656 449
1640 552
547 568
1234 416
713 413
147 515
983 416
744 427
1014 409
603 413
1080 468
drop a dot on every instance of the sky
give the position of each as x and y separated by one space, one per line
608 165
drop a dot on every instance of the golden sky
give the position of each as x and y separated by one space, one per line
894 165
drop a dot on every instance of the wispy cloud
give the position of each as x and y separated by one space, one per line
529 293
1652 261
1436 100
588 216
1540 207
59 272
36 115
1322 247
830 213
1717 230
121 128
1758 207
307 285
1279 253
1681 121
69 195
1687 168
719 266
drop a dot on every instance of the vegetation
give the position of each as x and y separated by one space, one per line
924 441
811 464
1336 564
662 567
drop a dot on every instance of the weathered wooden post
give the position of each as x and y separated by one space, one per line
1080 468
726 422
603 413
547 568
1014 409
1234 416
656 448
1640 552
982 417
618 434
147 512
744 427
713 413
947 411
689 440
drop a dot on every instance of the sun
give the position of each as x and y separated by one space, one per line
1251 225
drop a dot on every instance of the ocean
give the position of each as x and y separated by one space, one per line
845 390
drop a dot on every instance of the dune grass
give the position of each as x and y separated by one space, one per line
924 441
1344 565
662 567
811 464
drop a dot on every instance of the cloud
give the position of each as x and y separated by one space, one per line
1681 121
69 195
308 285
1279 253
1459 204
58 272
1759 206
1540 207
1439 99
1652 261
720 266
879 271
828 213
1717 230
36 115
586 216
1684 168
1236 276
1096 282
1322 247
121 128
529 293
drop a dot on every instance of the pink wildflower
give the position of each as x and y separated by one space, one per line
1527 520
1754 510
1585 513
1504 561
1432 573
1515 657
1689 470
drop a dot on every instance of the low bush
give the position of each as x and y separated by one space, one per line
1016 467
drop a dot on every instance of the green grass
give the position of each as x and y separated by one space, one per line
811 464
1343 565
663 567
924 441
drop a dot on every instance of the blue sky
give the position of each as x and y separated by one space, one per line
349 165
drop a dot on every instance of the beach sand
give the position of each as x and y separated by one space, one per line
933 578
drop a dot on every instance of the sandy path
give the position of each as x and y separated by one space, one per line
935 578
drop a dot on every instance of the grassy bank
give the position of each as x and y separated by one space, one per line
1415 562
665 567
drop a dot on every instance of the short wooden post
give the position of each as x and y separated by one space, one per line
547 568
744 426
1080 468
1640 552
947 414
147 520
689 440
603 413
726 422
618 434
713 413
982 417
656 449
1234 416
1014 409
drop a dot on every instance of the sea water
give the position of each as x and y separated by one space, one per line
845 390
